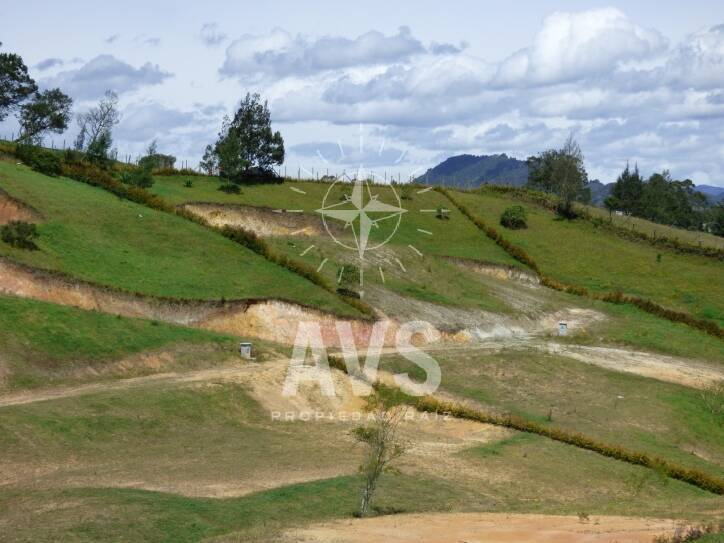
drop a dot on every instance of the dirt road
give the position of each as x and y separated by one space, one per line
484 527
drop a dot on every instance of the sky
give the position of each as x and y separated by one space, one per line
396 87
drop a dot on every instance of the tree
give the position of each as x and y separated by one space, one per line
611 203
99 150
16 85
39 112
97 124
154 159
48 111
665 200
246 143
384 447
715 220
627 191
560 171
210 162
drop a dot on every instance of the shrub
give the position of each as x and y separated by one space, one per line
138 177
20 234
188 183
97 177
514 218
39 159
230 188
72 156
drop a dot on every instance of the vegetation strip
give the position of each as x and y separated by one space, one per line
430 404
613 297
549 202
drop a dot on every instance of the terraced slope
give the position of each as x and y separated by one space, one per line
42 342
92 235
577 253
421 273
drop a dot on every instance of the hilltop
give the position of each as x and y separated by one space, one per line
468 171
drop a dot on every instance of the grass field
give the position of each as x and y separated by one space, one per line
576 252
643 414
186 442
189 459
653 229
45 344
415 276
453 237
431 279
92 235
628 325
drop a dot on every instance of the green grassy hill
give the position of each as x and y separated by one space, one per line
191 451
42 342
578 253
415 276
94 236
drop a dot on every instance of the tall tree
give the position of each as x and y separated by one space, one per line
561 171
245 143
97 121
627 191
665 200
16 85
39 112
48 111
95 130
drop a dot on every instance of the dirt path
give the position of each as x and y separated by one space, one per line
681 371
691 373
484 527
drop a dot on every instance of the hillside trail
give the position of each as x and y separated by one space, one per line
487 527
690 373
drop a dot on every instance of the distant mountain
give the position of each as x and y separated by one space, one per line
470 171
714 194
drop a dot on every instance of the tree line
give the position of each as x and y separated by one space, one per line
659 198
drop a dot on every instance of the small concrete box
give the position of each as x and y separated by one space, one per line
562 328
245 350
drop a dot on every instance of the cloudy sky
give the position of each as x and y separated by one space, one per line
398 86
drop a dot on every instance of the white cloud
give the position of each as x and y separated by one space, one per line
572 46
335 154
280 54
106 72
698 62
143 122
211 35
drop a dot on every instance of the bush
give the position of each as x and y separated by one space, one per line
20 234
97 177
39 159
514 218
138 177
230 188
